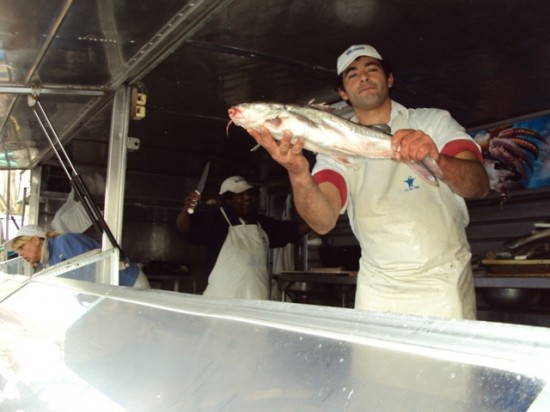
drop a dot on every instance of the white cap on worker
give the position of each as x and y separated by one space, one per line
352 53
28 230
235 184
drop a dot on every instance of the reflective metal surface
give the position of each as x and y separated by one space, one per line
200 356
71 345
73 55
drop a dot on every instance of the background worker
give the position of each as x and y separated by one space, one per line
237 239
37 246
415 254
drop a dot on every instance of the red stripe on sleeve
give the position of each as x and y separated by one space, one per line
336 179
457 146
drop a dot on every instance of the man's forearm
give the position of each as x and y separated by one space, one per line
183 221
466 177
319 208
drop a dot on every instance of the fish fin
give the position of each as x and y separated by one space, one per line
274 121
322 106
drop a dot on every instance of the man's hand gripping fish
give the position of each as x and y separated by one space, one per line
326 133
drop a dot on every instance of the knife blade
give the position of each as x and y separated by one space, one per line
200 186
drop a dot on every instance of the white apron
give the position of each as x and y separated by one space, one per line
241 268
415 255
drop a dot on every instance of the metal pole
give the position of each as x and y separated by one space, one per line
76 181
23 207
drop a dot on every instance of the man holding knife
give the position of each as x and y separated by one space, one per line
237 239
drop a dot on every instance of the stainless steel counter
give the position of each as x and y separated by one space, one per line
69 345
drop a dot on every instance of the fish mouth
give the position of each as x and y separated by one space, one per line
232 111
235 112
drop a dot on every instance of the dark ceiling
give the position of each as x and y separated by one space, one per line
485 61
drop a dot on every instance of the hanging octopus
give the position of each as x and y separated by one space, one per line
509 153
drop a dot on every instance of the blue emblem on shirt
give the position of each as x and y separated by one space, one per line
410 184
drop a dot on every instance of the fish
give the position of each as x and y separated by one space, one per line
327 133
535 245
527 239
534 250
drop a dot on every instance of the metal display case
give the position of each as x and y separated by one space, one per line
72 345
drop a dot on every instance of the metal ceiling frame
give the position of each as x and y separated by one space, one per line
176 31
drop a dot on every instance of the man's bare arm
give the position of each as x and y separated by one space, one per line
318 205
465 175
183 220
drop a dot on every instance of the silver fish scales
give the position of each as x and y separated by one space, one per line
327 133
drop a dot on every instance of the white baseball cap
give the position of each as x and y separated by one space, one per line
28 230
352 53
235 184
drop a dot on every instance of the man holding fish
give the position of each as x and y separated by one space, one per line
415 254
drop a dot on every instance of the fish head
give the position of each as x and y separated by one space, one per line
254 115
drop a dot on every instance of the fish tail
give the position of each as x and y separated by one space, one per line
433 167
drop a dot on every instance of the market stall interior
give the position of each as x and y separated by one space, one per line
177 66
137 92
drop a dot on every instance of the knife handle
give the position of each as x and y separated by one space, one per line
191 210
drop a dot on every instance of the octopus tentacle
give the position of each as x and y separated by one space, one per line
511 152
526 144
515 131
511 155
